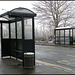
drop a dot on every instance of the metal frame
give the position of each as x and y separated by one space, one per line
26 44
71 37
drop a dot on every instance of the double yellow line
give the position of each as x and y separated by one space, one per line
54 65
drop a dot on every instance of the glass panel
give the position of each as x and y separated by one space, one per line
66 40
73 36
5 28
19 30
62 36
13 34
66 32
3 19
62 40
57 40
0 31
73 32
70 32
6 16
61 33
57 32
57 37
66 36
28 29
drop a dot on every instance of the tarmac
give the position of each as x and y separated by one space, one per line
13 66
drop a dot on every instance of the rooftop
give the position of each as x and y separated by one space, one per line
67 27
17 12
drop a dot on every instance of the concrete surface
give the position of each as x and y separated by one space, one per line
53 44
12 66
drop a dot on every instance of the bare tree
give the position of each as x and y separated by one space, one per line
55 13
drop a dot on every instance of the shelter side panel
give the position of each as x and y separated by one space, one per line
5 47
28 46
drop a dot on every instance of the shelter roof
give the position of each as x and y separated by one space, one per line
17 12
67 27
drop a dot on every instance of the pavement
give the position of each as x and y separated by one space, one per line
53 44
44 43
12 66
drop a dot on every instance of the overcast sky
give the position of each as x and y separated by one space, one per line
9 5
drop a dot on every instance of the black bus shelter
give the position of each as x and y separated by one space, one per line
17 33
65 35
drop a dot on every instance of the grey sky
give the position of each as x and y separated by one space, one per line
9 5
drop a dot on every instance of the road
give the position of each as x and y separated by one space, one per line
59 57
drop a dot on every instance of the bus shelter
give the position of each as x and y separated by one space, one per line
17 33
65 35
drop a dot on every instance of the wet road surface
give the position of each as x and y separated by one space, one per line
49 60
60 57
